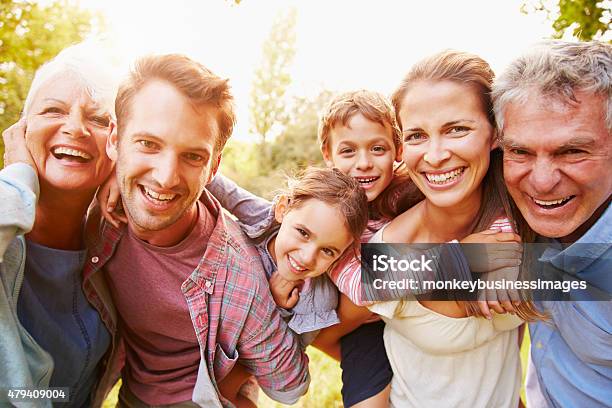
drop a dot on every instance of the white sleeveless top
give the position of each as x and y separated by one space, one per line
440 361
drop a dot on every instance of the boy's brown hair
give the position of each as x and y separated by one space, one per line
191 78
372 105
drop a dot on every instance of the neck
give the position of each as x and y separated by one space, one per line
580 231
170 235
59 218
271 249
448 223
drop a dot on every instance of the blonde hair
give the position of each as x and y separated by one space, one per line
372 105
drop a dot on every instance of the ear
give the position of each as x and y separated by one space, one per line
494 140
327 157
112 141
281 207
215 168
399 153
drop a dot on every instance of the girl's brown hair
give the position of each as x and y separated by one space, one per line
336 189
474 72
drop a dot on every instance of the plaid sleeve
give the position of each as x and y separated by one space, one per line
271 352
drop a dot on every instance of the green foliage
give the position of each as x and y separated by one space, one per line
294 149
31 34
272 78
590 19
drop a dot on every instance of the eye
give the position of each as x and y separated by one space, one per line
379 149
302 232
147 144
414 138
328 252
346 150
573 151
194 157
52 109
458 129
518 152
100 120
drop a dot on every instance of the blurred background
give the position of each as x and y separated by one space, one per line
285 59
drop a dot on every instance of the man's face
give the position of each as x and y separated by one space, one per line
557 160
164 156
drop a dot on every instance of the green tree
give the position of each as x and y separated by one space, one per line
272 79
588 19
31 34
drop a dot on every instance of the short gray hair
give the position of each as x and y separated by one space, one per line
90 62
556 69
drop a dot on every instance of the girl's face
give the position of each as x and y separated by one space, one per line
365 151
447 140
312 236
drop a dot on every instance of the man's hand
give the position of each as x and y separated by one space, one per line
494 262
15 148
285 293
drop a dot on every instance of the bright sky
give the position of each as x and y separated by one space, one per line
341 44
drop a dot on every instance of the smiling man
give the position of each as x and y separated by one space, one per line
554 115
180 288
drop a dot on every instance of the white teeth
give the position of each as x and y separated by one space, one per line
295 265
367 180
157 196
71 152
552 202
444 177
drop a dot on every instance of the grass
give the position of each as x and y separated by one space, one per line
326 382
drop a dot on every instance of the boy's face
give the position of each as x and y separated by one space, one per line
364 150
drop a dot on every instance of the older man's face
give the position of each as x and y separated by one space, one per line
557 160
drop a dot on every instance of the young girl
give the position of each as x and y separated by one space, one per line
463 360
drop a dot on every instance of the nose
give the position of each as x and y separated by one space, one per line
436 153
544 176
74 126
309 255
363 161
165 171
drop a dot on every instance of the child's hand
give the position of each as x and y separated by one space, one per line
110 204
286 293
494 262
15 148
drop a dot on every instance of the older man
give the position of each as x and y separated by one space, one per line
180 287
554 114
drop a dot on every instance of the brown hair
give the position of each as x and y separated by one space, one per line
473 71
191 78
372 105
336 189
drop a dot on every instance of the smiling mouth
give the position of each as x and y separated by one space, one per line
365 181
444 178
552 204
65 153
295 265
156 197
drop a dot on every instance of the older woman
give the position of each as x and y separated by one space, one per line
49 334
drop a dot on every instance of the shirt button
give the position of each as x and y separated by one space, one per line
95 259
208 284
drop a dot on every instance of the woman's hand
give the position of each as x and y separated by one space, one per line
109 198
285 293
15 148
494 263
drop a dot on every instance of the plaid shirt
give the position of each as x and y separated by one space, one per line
232 311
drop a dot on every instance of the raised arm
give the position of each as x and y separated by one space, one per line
255 214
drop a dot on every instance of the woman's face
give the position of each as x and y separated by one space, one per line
66 134
447 140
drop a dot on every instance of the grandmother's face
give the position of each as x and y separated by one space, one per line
66 135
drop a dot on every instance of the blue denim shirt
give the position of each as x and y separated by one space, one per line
572 352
